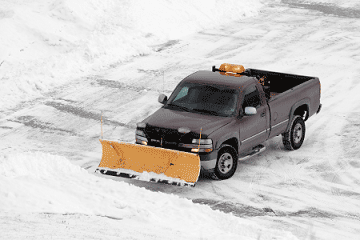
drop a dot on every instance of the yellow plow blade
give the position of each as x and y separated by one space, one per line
149 163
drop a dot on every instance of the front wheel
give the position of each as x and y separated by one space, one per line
294 138
226 163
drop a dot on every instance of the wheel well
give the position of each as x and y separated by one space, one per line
232 142
302 111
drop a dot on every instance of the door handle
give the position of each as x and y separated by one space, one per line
262 114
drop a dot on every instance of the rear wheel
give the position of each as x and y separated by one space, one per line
294 138
226 163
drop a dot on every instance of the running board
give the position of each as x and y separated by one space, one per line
256 150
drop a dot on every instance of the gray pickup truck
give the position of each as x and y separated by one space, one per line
225 116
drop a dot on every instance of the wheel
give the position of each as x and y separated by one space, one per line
226 163
294 138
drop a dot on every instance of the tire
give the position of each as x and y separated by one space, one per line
226 163
294 138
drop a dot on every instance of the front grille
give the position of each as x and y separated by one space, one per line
166 138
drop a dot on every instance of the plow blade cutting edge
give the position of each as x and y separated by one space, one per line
149 163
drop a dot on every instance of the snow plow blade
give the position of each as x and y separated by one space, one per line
148 163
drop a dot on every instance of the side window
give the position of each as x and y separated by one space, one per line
251 98
183 92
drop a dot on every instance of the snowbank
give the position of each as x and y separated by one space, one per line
43 183
44 44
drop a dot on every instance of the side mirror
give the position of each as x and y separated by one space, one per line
250 111
162 98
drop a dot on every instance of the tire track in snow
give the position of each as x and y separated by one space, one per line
31 121
329 9
243 210
122 85
80 112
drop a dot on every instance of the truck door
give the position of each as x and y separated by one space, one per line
253 129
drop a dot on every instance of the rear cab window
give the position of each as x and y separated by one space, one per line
251 97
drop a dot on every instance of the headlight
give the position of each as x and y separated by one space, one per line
140 137
204 146
201 150
202 141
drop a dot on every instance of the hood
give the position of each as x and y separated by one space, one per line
172 119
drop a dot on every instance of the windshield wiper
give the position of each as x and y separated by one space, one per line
206 111
181 107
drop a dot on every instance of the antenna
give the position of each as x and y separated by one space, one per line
199 140
101 126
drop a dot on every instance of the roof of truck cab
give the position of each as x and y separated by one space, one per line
218 79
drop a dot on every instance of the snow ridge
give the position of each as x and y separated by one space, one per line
44 183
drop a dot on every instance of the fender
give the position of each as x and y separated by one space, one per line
226 137
304 101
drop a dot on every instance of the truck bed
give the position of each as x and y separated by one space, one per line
285 93
275 83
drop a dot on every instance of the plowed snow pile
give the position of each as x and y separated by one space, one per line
38 190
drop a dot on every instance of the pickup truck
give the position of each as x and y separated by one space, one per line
226 115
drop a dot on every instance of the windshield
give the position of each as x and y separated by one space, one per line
195 97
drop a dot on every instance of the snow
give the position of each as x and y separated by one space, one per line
45 44
147 176
50 187
353 4
63 63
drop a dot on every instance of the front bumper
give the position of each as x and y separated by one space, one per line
208 160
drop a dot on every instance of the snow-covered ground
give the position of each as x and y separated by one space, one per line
341 4
62 63
45 44
45 196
